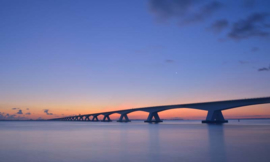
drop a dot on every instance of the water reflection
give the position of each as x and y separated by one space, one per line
154 143
136 141
217 148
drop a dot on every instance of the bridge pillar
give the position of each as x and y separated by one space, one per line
106 117
81 118
123 116
87 118
95 118
215 117
150 118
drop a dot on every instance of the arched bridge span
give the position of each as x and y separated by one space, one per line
214 111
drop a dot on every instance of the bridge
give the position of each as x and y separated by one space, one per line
214 109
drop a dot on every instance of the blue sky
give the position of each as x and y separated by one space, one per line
89 56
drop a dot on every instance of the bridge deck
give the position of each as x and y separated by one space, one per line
214 109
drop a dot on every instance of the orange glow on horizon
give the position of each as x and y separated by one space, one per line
257 111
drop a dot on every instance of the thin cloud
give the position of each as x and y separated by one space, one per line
253 26
219 25
28 113
47 112
20 112
192 11
15 108
169 61
264 69
203 13
11 117
2 115
166 9
255 49
243 62
185 11
6 116
249 3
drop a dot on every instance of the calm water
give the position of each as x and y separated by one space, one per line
186 141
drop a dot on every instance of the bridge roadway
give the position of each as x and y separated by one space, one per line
214 111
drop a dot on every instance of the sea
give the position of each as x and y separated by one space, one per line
136 141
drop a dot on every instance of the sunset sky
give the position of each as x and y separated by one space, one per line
69 57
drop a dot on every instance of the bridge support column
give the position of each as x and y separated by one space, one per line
122 117
87 118
106 117
150 118
215 117
81 118
95 118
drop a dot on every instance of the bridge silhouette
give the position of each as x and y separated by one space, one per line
214 111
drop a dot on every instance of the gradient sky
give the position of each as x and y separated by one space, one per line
65 57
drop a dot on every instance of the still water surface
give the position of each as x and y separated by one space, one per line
170 141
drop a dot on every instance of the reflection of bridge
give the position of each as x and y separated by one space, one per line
214 111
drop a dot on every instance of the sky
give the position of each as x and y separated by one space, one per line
69 57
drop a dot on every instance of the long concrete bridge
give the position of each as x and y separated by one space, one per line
214 111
